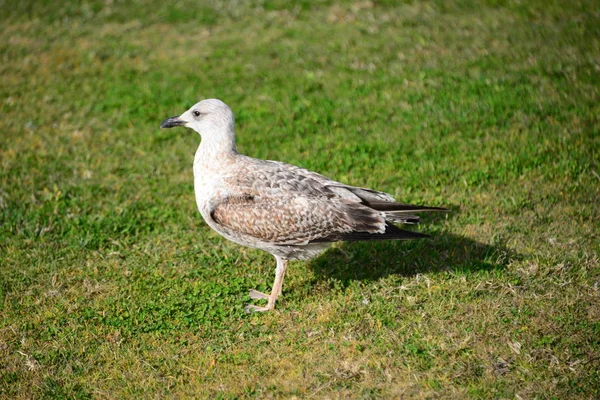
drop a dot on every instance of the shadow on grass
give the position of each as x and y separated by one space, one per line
367 261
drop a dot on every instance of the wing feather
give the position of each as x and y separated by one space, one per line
287 205
287 220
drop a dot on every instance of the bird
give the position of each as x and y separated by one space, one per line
286 210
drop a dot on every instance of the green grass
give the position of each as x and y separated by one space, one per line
112 286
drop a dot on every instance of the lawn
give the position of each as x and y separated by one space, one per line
112 286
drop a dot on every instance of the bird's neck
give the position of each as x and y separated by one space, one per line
215 150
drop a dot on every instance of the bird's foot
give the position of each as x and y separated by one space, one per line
256 295
250 308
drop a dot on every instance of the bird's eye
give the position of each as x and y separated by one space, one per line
196 113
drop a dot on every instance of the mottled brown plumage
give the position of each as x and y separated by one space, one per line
286 210
291 220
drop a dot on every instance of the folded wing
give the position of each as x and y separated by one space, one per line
288 205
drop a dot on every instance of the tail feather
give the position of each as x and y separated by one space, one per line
392 232
401 218
393 207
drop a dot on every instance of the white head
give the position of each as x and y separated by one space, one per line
211 118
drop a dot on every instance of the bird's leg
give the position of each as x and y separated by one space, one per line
275 292
256 295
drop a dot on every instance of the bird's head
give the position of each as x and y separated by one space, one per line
211 118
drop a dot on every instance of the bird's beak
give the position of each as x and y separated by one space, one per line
172 121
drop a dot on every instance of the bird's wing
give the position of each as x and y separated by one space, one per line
286 205
290 175
293 219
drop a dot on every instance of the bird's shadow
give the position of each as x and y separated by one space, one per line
444 251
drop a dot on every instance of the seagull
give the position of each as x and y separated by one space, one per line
288 211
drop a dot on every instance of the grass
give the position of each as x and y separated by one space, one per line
112 286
